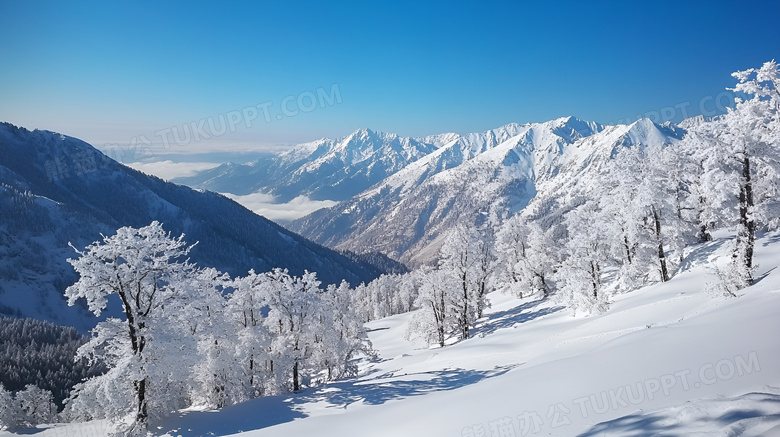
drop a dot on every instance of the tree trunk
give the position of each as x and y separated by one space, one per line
296 384
137 343
440 320
252 370
482 289
704 234
464 320
704 229
747 226
595 276
661 254
545 289
142 414
627 247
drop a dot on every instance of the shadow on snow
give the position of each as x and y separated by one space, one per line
700 254
273 410
520 314
666 423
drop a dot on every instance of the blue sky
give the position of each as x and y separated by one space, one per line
114 72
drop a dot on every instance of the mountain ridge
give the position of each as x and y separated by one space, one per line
325 169
462 182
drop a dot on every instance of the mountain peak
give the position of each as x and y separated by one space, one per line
567 119
362 134
572 128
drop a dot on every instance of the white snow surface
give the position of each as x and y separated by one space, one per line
668 359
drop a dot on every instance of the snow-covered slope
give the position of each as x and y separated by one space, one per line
630 371
668 359
461 182
321 170
55 189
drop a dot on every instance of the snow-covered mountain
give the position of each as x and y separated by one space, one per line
321 170
55 189
463 181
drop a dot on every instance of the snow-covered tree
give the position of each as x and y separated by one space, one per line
406 292
362 303
342 335
245 316
484 265
9 411
379 296
652 203
140 267
434 321
579 277
216 377
699 205
680 172
462 256
294 304
641 204
385 296
742 161
526 259
624 224
34 406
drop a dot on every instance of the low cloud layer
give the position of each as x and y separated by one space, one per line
264 205
260 203
170 170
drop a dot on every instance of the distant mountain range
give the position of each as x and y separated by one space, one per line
321 170
429 184
55 189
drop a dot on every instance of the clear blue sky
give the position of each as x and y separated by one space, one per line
109 71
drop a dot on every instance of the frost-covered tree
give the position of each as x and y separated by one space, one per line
245 315
460 258
192 336
641 205
652 201
579 277
314 333
9 411
216 377
434 321
26 408
140 267
294 304
362 303
625 224
526 261
699 205
484 265
378 297
342 335
385 296
741 160
35 406
680 172
406 293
